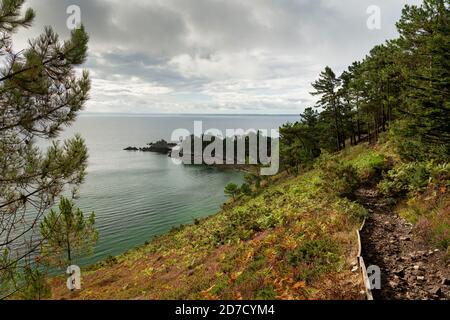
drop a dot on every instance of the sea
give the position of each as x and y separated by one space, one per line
139 195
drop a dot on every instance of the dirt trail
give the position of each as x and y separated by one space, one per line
409 268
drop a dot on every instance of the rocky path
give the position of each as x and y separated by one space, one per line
409 268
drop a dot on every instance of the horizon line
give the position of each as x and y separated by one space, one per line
186 114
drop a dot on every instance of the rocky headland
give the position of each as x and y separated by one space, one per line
161 146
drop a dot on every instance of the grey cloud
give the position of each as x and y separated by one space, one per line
224 51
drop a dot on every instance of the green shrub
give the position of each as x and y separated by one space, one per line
414 177
369 165
435 229
270 220
232 190
220 287
337 175
268 293
315 257
411 149
407 177
352 209
440 174
241 224
35 285
245 189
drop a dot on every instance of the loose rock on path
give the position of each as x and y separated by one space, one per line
410 269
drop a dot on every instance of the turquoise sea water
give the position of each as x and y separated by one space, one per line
136 195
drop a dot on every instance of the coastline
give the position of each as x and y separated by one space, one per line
220 256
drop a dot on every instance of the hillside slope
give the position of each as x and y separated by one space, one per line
295 239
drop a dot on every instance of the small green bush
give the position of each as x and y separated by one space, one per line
270 221
352 209
440 174
232 190
315 257
410 148
220 287
245 189
268 293
407 177
337 175
414 177
369 165
435 229
35 285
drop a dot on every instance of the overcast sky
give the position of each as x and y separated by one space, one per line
215 56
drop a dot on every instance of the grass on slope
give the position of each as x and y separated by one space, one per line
293 240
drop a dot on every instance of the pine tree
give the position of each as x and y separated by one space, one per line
402 86
300 142
425 43
34 284
40 93
348 102
232 190
327 87
68 234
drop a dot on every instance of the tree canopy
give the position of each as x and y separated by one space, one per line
401 86
40 94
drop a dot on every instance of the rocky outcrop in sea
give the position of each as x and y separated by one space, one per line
161 146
